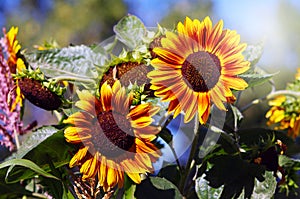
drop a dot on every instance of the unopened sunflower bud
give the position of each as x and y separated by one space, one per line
39 95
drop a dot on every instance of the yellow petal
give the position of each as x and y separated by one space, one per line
81 153
106 96
135 177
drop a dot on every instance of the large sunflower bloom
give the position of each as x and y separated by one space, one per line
197 67
113 137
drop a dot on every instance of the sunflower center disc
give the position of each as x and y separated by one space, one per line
110 138
201 71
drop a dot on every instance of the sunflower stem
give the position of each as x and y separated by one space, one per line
17 139
176 159
71 78
189 165
274 94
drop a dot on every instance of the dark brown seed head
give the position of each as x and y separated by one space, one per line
113 135
201 71
128 72
39 95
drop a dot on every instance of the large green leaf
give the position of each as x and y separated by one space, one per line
33 139
28 164
156 187
42 146
131 31
75 62
256 77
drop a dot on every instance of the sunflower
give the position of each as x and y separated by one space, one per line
284 113
198 66
113 137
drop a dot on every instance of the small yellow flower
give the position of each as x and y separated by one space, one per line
294 131
297 76
279 114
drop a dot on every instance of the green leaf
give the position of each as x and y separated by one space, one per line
253 53
156 187
28 164
130 30
12 190
204 191
33 139
256 77
265 189
74 62
170 172
42 146
129 192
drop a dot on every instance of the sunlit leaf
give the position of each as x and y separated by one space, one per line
253 53
256 77
41 146
33 139
266 188
204 191
73 62
130 30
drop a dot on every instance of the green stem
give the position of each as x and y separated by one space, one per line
189 164
294 94
176 159
17 139
71 78
272 95
57 115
